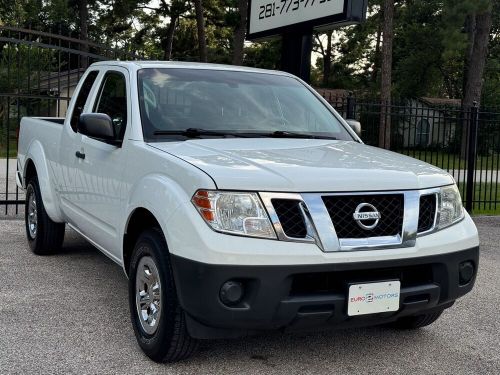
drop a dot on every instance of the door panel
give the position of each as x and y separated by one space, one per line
70 141
99 197
99 201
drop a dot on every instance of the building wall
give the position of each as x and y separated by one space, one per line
421 125
60 107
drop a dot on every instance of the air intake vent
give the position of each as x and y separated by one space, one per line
290 216
427 212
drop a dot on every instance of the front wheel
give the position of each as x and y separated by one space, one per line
157 318
44 235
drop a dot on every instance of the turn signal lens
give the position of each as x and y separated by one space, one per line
201 202
234 212
207 215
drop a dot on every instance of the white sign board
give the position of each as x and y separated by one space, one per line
271 17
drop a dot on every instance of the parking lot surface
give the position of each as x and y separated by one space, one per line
68 313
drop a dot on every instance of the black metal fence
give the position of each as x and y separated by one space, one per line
38 73
463 141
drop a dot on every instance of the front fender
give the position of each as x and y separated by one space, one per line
45 176
160 195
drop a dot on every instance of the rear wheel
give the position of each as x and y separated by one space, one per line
44 235
157 317
417 321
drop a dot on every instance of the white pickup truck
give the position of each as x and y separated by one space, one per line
237 200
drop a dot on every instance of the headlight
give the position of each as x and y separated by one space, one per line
451 206
234 212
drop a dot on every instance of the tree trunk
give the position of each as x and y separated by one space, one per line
376 58
327 59
386 76
474 78
475 63
470 28
83 12
240 33
169 38
200 24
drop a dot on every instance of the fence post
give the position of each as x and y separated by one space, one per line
471 156
351 104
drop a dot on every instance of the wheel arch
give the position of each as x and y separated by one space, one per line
36 164
139 220
29 171
151 201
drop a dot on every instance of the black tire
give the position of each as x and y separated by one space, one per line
170 342
417 321
48 236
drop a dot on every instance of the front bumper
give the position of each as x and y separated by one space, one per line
308 296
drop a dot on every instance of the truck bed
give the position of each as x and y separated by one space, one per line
40 134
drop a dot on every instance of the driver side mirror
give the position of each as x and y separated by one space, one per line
98 126
355 125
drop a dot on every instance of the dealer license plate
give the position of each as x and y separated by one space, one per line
372 298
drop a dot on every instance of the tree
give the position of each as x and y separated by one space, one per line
325 49
169 39
428 57
175 10
376 59
478 27
491 86
240 33
83 12
386 76
479 31
83 21
200 24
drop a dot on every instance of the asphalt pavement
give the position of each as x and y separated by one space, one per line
68 314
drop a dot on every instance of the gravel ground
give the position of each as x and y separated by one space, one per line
68 313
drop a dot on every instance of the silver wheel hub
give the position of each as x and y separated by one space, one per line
32 217
148 294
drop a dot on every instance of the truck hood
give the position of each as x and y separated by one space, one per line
304 165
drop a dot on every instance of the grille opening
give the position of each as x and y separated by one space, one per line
290 217
337 282
427 212
418 298
342 207
316 309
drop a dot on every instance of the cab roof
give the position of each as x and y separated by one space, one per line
136 65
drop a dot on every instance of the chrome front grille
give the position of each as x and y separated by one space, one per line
390 207
328 219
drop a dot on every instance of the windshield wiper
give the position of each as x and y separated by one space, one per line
287 134
197 132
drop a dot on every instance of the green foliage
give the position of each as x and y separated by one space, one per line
18 64
491 90
428 54
419 66
428 51
265 55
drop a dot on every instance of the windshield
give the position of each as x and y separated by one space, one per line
217 103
